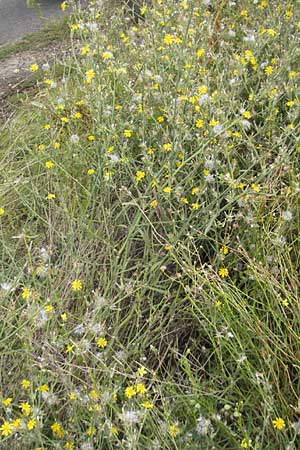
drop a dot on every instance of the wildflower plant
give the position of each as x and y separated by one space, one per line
149 219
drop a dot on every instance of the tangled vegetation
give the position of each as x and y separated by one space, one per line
150 234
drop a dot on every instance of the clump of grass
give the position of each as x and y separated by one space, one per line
149 221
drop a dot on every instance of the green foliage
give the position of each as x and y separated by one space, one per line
149 232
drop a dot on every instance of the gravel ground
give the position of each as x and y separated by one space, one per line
17 20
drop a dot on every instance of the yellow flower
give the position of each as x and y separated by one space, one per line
199 123
63 6
91 171
167 147
57 429
147 405
85 49
16 423
76 285
223 272
31 424
153 203
91 137
246 443
25 384
200 52
160 119
173 430
91 431
25 408
44 388
130 391
6 429
141 388
269 70
77 115
49 164
255 187
63 317
26 293
278 423
69 348
56 145
224 250
167 189
90 74
69 445
50 196
127 133
195 205
107 55
139 175
94 395
102 342
247 115
34 67
64 120
2 211
213 123
168 39
7 401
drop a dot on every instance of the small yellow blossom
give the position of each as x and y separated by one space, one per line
167 147
44 388
246 443
49 164
167 189
147 405
6 429
255 187
224 250
153 203
199 123
278 423
69 445
57 429
141 388
31 424
25 384
26 294
25 408
173 430
223 272
269 70
247 114
2 211
76 285
91 431
85 49
130 391
200 52
77 115
50 196
139 175
64 6
102 342
34 67
7 401
91 137
128 133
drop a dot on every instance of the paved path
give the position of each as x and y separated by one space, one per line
17 20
